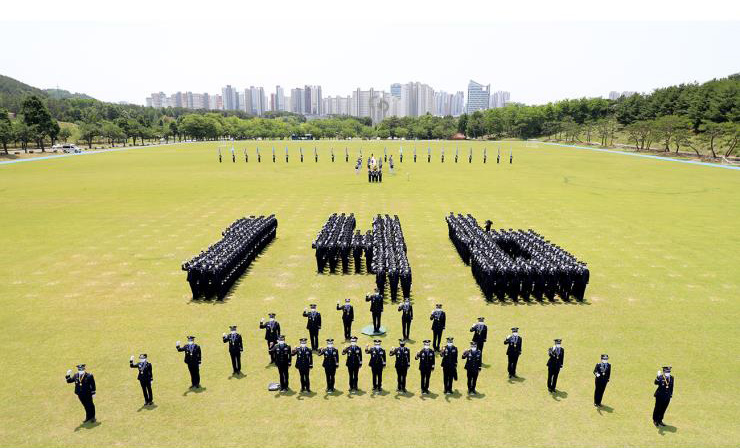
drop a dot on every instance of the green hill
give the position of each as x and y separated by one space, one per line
13 91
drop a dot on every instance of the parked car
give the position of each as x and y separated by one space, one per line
68 148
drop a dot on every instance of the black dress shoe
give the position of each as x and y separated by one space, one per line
661 424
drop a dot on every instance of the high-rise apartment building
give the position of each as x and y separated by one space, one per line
478 96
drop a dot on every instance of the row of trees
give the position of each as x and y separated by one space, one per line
34 124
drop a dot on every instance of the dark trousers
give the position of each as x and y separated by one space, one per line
377 377
376 321
401 375
314 336
283 370
406 328
513 359
272 354
347 328
448 377
353 372
480 345
305 378
330 375
472 379
146 388
661 404
436 339
552 378
236 360
599 390
425 376
87 403
194 374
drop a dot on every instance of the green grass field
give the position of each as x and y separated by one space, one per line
92 247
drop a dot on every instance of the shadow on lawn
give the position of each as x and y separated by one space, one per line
194 390
517 379
88 425
667 428
604 408
147 407
559 395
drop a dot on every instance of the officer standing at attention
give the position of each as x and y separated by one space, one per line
439 320
376 308
192 359
511 157
330 364
272 333
498 156
354 362
556 355
473 366
332 155
414 154
407 315
145 377
429 155
235 348
219 155
84 389
376 363
304 364
283 357
488 225
449 365
426 365
513 350
485 155
602 372
663 395
403 362
480 334
313 325
348 315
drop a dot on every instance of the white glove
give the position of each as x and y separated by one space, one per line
69 372
224 334
132 359
598 374
177 344
659 372
262 320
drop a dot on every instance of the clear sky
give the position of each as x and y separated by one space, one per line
540 51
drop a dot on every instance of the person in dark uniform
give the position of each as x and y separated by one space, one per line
498 156
283 359
473 364
145 377
602 374
301 151
429 155
480 334
488 225
407 315
556 355
272 333
449 365
663 394
219 156
513 345
426 365
313 325
304 364
236 347
84 389
192 359
376 308
485 155
354 362
348 315
403 362
346 155
332 155
315 155
414 155
439 321
376 363
511 158
330 363
246 156
233 156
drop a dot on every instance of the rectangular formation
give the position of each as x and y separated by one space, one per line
384 248
517 263
212 272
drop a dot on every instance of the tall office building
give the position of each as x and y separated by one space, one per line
396 90
478 96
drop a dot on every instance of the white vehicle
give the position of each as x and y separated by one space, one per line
68 148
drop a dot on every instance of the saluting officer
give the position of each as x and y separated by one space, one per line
376 363
376 308
354 362
480 333
407 315
144 376
556 355
602 374
449 365
348 315
403 362
272 333
236 347
192 359
283 359
426 365
663 395
473 366
513 349
313 325
439 320
84 389
304 364
330 363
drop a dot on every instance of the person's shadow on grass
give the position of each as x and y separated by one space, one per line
559 395
334 393
147 407
604 408
517 379
287 393
237 375
476 396
88 425
456 395
430 396
304 395
382 393
194 390
406 394
667 428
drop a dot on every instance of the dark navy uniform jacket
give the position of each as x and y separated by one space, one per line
314 320
235 342
474 359
192 353
665 386
403 357
303 358
331 357
84 383
348 313
514 343
426 359
604 369
556 357
377 357
449 357
439 320
145 371
354 356
407 311
272 330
